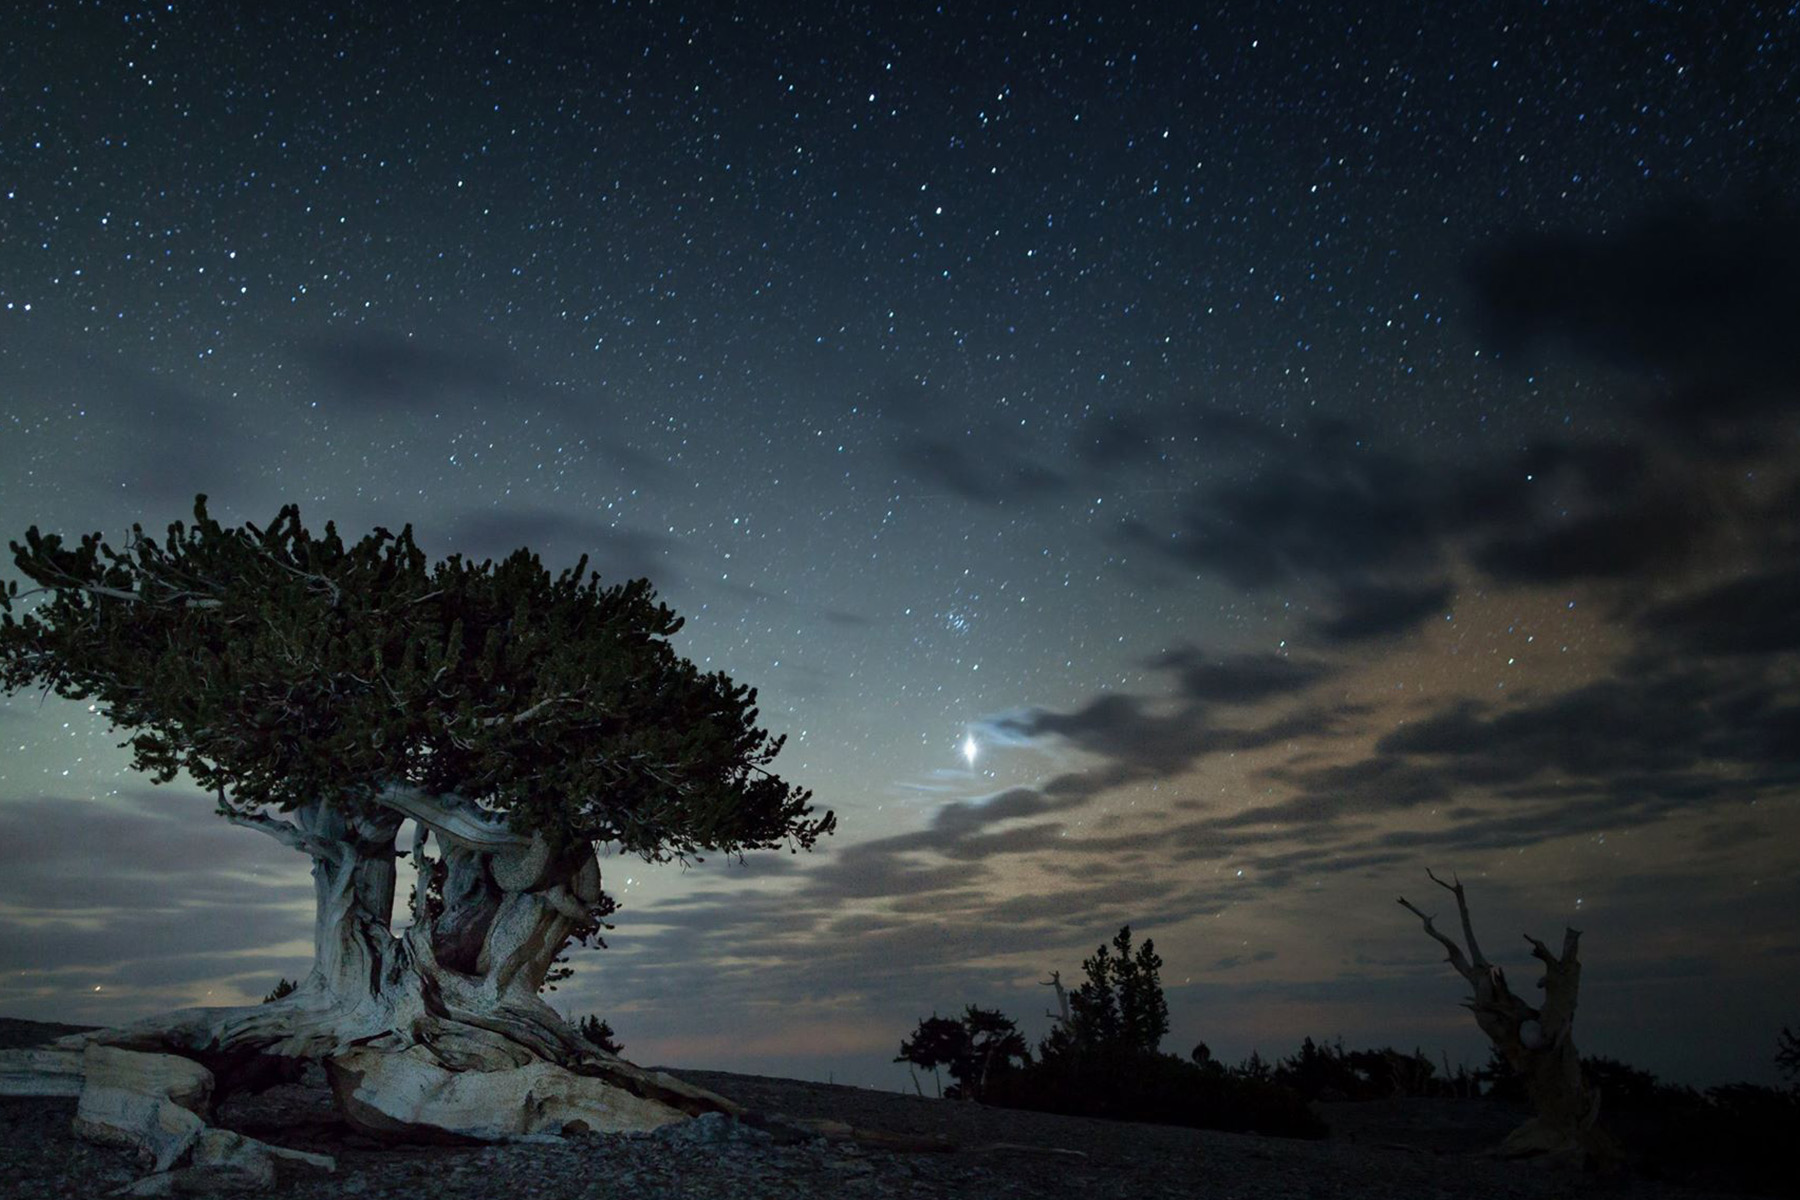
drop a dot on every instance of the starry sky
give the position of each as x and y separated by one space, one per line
1291 446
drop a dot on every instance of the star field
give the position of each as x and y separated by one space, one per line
1194 468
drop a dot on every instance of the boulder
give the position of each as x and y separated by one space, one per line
410 1096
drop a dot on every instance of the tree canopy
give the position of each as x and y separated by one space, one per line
279 669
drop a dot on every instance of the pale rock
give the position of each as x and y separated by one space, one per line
148 1102
409 1095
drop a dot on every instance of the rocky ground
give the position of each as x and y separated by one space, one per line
1413 1149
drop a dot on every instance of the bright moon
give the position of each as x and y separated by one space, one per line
969 748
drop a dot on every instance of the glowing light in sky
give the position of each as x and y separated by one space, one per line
969 748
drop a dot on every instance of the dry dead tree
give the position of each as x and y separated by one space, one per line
1538 1043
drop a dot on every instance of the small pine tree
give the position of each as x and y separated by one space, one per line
1120 1006
1202 1056
283 987
1787 1057
600 1033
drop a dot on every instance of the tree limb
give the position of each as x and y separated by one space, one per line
1457 959
453 819
1462 909
288 834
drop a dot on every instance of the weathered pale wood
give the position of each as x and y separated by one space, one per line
151 1103
411 1095
1538 1043
40 1071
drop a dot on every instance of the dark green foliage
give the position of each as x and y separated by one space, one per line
1787 1057
278 668
977 1049
283 987
600 1033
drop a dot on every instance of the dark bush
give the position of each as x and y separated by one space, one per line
1738 1137
1329 1072
1159 1088
977 1048
600 1033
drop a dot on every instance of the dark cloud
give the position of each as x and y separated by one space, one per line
1232 961
1117 440
147 890
164 849
381 371
1758 615
1671 722
1141 738
1364 612
1383 783
140 442
1238 679
1601 512
1702 295
1331 510
376 373
991 475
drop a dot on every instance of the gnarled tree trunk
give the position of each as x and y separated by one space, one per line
435 1033
1538 1043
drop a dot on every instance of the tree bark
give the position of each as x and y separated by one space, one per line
1538 1043
432 1032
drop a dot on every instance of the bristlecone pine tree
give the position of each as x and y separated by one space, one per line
327 692
1538 1043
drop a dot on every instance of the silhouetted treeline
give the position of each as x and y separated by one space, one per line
1103 1058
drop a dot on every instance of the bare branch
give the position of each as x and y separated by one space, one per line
1062 997
1455 888
1457 958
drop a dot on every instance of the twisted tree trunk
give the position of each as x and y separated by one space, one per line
1538 1043
437 1033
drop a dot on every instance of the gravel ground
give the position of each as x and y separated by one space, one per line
1415 1150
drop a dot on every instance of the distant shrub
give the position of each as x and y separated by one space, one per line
1102 1058
1738 1137
1159 1088
976 1048
283 987
1328 1071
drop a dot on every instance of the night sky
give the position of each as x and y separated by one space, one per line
1192 466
